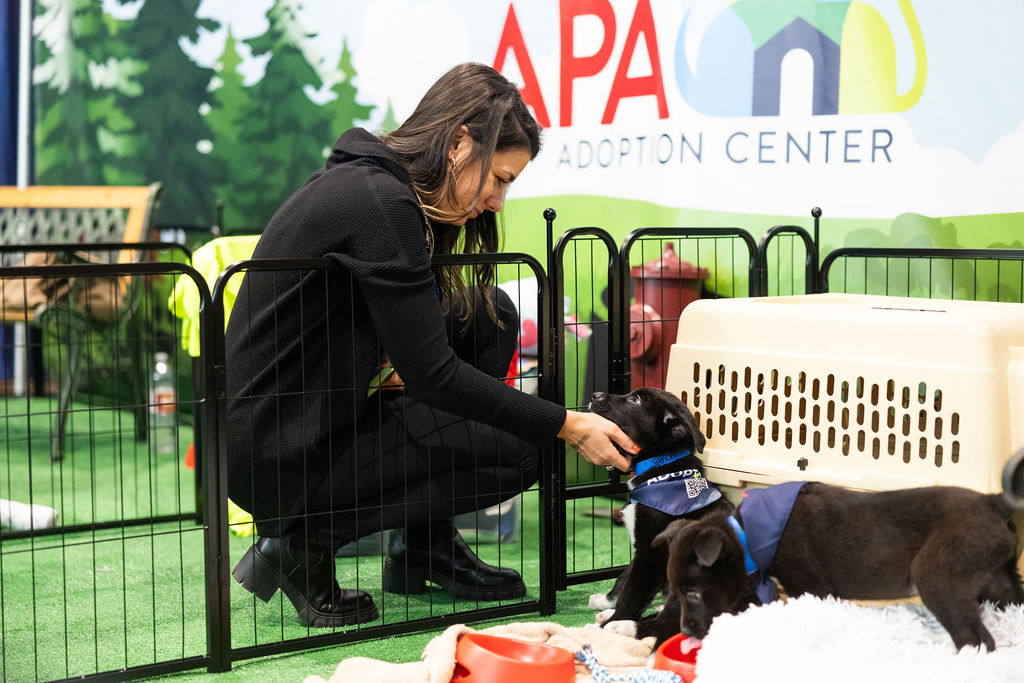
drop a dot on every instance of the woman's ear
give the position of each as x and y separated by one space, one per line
459 139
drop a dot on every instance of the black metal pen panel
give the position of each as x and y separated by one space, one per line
103 576
501 533
586 307
618 326
781 253
140 536
672 267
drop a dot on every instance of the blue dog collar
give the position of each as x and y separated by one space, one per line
748 561
645 465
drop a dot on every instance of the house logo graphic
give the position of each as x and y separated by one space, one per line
739 57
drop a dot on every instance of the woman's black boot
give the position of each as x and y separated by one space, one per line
305 572
437 553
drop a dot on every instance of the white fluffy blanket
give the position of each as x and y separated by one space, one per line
811 639
616 652
805 639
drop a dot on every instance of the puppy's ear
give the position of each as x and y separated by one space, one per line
671 531
675 418
692 428
708 548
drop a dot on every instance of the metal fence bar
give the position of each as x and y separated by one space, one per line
147 247
963 261
795 233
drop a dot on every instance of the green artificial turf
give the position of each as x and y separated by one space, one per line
73 604
106 474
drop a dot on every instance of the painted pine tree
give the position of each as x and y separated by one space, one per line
82 70
166 111
389 123
345 111
285 131
229 100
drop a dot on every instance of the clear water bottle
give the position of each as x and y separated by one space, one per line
162 405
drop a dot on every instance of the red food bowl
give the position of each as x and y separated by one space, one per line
678 654
481 658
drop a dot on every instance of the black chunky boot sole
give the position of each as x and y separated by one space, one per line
403 579
262 578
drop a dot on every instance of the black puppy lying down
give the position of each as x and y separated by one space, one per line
668 484
953 547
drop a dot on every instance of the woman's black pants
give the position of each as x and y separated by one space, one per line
410 464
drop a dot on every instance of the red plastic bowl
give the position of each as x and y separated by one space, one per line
672 657
481 658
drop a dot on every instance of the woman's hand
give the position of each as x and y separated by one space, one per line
594 437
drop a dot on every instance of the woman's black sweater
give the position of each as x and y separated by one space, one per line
302 347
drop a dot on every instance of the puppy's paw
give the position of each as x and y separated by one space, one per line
622 627
604 616
600 601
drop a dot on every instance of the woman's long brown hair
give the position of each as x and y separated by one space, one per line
491 108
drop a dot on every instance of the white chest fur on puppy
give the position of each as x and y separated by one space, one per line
601 601
629 520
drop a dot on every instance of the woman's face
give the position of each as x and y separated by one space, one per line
506 166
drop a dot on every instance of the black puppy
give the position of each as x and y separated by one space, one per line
669 484
951 546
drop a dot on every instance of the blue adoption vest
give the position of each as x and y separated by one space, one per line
765 514
676 493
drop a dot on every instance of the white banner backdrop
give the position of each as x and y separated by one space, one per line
871 108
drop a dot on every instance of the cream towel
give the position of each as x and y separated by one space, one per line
617 652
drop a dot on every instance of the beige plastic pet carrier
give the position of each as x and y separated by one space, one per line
868 392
